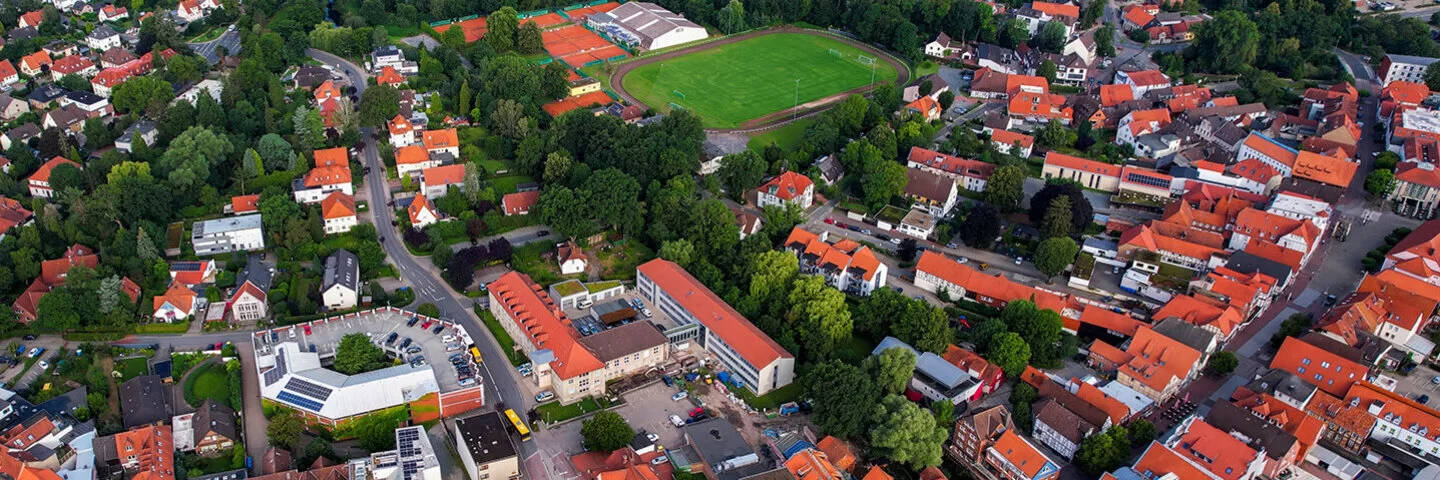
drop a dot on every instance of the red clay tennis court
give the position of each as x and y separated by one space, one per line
474 28
579 60
566 104
579 14
547 20
566 41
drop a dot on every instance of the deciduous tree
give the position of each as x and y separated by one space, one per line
1005 188
891 369
1055 254
606 431
906 433
844 397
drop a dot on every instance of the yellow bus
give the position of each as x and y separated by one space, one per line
519 425
475 353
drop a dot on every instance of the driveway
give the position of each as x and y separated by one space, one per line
211 49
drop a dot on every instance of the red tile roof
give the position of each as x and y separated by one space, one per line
332 157
1397 410
245 203
1157 360
337 205
53 272
1327 370
12 213
72 64
1254 170
438 139
388 76
516 203
1115 94
1109 320
1148 78
1137 15
717 316
1201 314
42 174
1145 237
1010 138
787 185
35 60
1068 10
950 163
1022 454
152 447
1325 169
1223 455
418 206
444 175
997 287
178 296
546 326
1159 460
411 155
7 69
1264 225
1085 165
1270 148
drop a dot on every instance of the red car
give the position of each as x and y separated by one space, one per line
830 221
425 325
697 411
307 329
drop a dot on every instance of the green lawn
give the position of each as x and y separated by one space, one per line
211 383
775 398
730 84
132 367
787 137
508 184
554 412
502 337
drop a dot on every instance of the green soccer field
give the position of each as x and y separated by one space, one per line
730 84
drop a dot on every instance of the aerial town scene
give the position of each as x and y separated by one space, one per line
720 240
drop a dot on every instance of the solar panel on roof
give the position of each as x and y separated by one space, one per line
304 387
299 401
186 266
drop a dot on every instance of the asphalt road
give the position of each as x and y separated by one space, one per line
428 286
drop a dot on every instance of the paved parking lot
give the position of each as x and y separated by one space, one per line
647 408
1417 383
325 336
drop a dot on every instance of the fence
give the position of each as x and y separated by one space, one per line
453 20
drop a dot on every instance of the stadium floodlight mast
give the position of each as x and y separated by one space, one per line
795 109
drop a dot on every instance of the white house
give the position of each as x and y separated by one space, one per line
102 38
402 132
177 304
435 182
572 258
1300 235
1142 81
227 235
341 288
942 46
422 212
39 181
250 301
787 188
846 265
331 173
338 210
207 86
410 160
919 223
445 141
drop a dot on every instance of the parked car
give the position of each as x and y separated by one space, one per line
660 460
895 241
413 350
677 421
829 221
29 337
544 396
390 340
678 396
405 343
1421 399
44 365
412 322
438 328
307 329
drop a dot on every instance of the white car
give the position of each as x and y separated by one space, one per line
961 260
679 396
44 365
544 396
660 460
677 421
652 437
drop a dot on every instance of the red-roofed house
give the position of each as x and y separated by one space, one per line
1017 144
1115 94
31 19
1014 458
8 74
412 159
435 182
244 204
519 203
1139 123
389 76
759 362
845 265
1327 370
191 273
177 304
1089 173
1158 365
935 272
1266 149
338 210
422 212
969 174
1224 456
787 188
1331 170
1160 461
1179 251
331 173
1142 81
402 132
110 13
925 107
33 65
13 214
1398 419
1038 108
72 65
1137 16
563 362
445 141
988 374
1223 321
39 181
1258 225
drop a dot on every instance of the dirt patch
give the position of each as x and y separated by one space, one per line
775 118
